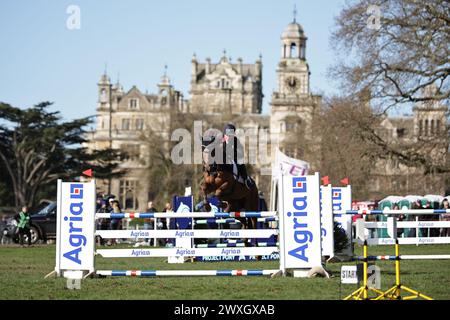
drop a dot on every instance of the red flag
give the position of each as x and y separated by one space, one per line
326 180
345 181
88 172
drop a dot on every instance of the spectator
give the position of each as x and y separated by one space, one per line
399 218
98 203
373 232
114 222
433 232
427 232
411 217
3 229
445 232
164 223
23 220
149 223
103 224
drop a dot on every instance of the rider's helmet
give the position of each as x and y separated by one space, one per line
229 130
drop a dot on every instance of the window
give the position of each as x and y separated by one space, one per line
420 127
438 126
103 96
293 53
291 126
139 124
302 51
128 194
132 152
432 127
125 124
426 128
401 132
133 103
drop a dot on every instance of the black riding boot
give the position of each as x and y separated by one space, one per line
242 171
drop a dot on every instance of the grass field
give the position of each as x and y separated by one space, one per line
22 273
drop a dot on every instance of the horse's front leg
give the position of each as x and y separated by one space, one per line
204 188
221 190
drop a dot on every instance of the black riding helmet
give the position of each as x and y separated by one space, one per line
229 130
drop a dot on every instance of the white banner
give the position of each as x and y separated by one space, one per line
342 201
326 218
287 166
186 252
189 234
75 226
299 204
417 241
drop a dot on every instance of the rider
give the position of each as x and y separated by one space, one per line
230 140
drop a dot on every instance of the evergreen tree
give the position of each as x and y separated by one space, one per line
37 148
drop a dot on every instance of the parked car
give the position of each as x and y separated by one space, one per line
43 223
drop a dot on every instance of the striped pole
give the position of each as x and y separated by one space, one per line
406 257
133 215
268 219
395 212
234 245
217 221
171 273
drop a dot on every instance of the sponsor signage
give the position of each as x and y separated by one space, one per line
75 226
300 219
342 201
327 222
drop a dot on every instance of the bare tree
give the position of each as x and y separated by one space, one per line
398 48
396 53
343 148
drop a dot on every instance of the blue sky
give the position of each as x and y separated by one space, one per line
41 59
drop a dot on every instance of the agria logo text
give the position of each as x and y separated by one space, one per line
73 221
337 200
299 216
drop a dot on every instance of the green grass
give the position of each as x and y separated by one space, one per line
22 272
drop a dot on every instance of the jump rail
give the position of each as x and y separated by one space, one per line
394 212
147 215
174 273
405 257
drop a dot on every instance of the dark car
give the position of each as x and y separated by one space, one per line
43 223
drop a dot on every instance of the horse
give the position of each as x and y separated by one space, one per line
219 179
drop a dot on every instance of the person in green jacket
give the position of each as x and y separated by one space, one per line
23 224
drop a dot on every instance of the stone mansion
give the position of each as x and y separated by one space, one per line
217 89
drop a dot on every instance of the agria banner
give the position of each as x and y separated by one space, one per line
326 218
342 201
75 226
300 218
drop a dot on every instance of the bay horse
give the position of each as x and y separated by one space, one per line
219 179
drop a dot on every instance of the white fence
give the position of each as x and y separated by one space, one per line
409 232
